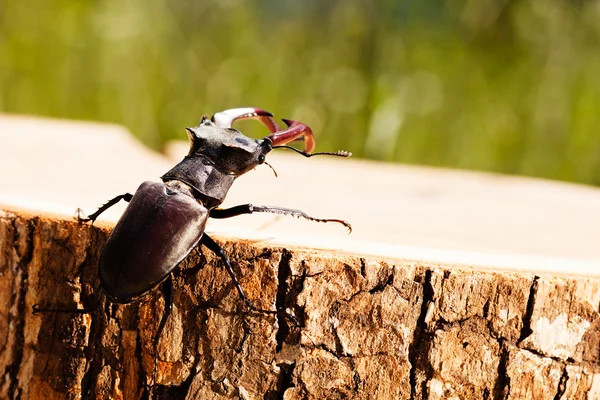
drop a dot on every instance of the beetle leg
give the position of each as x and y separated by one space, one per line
339 153
295 130
92 217
168 296
215 248
225 119
249 209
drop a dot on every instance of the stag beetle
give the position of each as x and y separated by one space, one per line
165 221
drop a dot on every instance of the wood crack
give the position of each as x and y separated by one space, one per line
419 348
526 329
17 318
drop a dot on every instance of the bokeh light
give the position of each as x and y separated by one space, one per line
493 85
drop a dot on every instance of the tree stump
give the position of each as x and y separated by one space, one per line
426 322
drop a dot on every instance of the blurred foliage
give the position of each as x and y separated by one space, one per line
510 86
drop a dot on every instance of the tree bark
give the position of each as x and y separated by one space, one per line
370 328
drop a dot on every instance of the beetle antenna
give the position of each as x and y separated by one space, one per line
272 169
339 153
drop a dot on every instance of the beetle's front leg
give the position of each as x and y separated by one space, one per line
250 208
92 217
215 248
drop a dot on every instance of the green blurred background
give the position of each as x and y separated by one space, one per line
509 86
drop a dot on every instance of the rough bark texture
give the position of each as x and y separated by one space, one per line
370 328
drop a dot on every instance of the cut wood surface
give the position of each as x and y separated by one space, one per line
452 285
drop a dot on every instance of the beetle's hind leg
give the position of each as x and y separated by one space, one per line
215 248
92 217
167 288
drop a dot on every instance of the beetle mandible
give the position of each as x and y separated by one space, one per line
165 221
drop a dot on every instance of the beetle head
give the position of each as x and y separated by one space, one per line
228 149
233 153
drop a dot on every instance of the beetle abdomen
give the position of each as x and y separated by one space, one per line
156 232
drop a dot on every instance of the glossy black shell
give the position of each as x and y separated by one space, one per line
159 228
210 184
